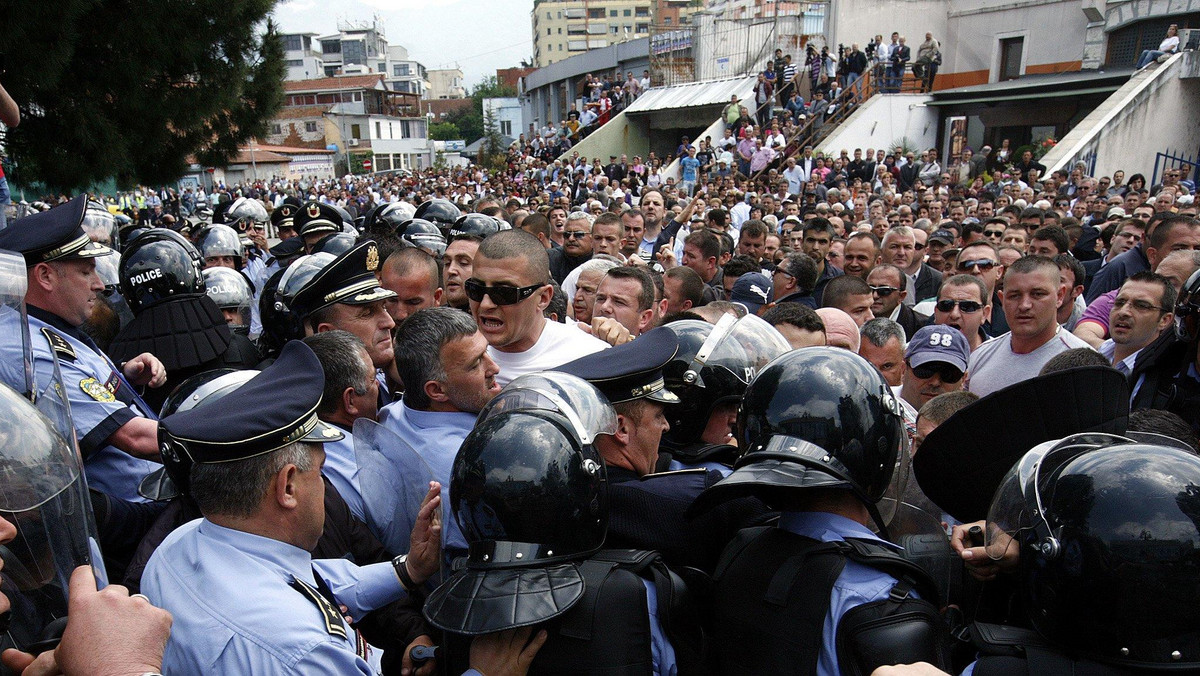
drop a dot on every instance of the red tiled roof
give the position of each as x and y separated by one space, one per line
369 81
260 156
292 150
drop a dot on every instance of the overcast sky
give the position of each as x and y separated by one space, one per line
478 36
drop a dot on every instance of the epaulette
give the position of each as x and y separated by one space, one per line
59 344
675 472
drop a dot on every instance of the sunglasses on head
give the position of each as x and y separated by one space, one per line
983 264
966 306
948 373
501 294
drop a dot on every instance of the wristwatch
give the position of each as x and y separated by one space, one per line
400 565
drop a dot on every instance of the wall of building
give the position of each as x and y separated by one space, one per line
506 112
1129 129
1053 32
621 136
446 83
883 121
857 21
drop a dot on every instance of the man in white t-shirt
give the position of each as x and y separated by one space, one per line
508 291
1033 290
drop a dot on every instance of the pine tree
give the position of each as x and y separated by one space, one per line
132 89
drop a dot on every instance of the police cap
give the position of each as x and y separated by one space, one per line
253 419
54 235
349 278
284 214
315 217
630 371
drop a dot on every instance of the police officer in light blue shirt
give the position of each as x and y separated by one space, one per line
443 359
117 431
245 594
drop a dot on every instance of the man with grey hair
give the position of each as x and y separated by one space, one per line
883 343
256 478
577 246
351 392
443 360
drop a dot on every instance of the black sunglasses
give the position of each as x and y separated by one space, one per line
948 373
993 233
884 291
967 306
502 294
983 264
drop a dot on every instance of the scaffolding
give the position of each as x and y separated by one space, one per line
714 46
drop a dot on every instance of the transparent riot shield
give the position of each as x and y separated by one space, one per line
394 480
925 543
16 352
44 494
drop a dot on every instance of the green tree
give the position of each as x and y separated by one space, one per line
469 121
130 89
492 151
444 131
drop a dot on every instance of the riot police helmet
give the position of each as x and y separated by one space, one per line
244 213
713 366
439 211
232 293
1106 533
818 418
529 495
221 241
473 226
422 234
158 265
1187 309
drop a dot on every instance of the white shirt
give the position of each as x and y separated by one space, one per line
1169 44
994 365
558 344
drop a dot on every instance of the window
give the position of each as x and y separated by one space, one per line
293 43
549 33
612 12
276 128
641 11
355 131
643 28
331 46
627 12
1010 58
381 67
330 71
596 13
310 127
548 17
396 70
378 133
358 96
616 29
667 20
506 127
295 63
560 30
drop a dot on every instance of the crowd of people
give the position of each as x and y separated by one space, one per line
565 419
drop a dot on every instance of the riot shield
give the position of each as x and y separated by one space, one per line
394 480
925 543
16 352
44 494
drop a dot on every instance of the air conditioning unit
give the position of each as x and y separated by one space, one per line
353 143
1189 38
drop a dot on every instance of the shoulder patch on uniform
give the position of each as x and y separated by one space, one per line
334 624
59 344
92 388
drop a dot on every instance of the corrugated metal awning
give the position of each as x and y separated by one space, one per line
693 94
